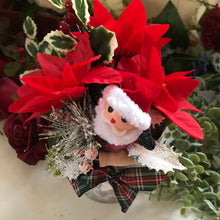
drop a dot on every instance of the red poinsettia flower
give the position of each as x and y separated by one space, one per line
174 88
130 27
59 80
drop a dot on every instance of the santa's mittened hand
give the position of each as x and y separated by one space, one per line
146 140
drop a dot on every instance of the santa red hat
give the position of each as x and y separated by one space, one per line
133 99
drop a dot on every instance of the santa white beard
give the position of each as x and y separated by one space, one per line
109 133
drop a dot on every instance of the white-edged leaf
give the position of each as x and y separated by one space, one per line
82 10
31 47
57 3
103 42
26 72
30 28
46 48
60 41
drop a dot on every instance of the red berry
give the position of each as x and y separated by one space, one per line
32 66
21 50
64 27
71 18
22 61
69 6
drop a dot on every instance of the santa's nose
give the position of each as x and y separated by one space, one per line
112 120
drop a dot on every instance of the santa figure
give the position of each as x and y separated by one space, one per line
119 121
122 118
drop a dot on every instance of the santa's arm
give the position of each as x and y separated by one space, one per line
120 158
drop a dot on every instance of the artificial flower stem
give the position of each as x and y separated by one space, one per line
72 35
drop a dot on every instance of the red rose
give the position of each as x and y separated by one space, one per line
7 88
24 137
210 33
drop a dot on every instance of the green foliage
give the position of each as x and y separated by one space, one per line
31 47
12 68
55 43
57 3
81 9
60 42
177 31
30 28
103 42
197 187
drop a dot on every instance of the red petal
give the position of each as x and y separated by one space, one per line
130 64
43 84
135 13
42 104
133 45
27 90
156 31
51 65
34 115
102 75
123 30
74 93
100 13
180 87
185 105
160 43
34 73
140 90
185 122
81 69
82 53
166 101
19 104
68 78
178 74
154 70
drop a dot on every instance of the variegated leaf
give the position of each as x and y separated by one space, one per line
60 41
103 42
82 10
31 47
57 3
45 47
30 28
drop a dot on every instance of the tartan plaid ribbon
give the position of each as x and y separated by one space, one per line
126 182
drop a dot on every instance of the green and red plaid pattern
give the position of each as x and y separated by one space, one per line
126 182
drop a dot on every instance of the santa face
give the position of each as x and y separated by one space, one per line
112 127
115 120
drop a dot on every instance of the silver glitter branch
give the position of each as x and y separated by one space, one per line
72 131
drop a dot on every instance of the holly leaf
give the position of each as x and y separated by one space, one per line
57 3
177 31
30 28
60 41
81 9
31 47
103 42
46 48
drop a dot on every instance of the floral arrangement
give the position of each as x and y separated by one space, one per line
116 100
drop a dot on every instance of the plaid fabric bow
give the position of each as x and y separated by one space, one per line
126 182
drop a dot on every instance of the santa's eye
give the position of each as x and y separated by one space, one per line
110 109
124 120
